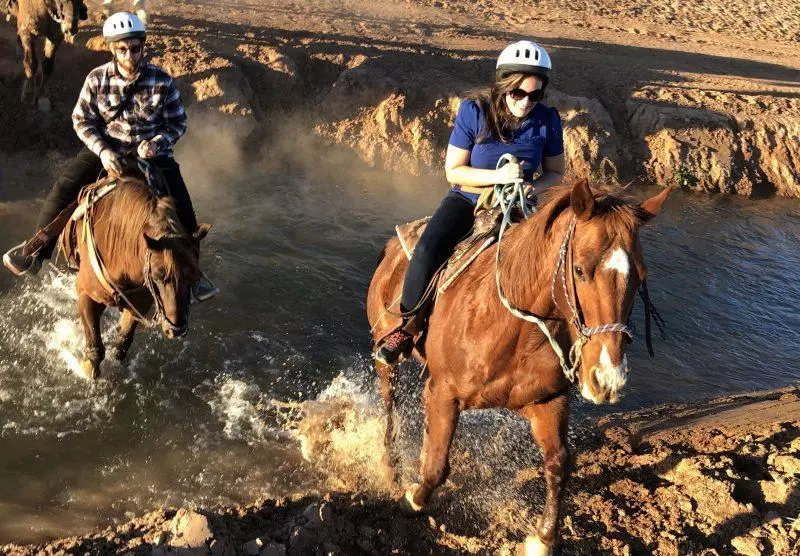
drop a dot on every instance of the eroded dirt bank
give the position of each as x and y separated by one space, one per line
716 477
703 93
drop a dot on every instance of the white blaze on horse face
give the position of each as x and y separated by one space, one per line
618 261
610 379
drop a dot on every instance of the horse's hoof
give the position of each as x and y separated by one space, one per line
407 505
89 369
535 547
44 105
118 354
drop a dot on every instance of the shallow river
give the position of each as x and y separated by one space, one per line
293 250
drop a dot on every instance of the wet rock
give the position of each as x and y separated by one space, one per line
303 540
190 530
273 549
253 548
317 514
330 548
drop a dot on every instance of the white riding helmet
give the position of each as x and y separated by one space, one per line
524 57
123 25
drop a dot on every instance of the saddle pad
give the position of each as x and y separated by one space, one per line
465 252
69 237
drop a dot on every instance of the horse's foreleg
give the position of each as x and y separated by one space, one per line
125 334
48 64
388 379
31 65
90 312
442 412
549 425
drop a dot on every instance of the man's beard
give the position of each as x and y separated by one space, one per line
130 67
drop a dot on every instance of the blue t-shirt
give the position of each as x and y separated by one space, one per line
539 135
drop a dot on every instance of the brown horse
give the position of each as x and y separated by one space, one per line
148 259
56 21
577 263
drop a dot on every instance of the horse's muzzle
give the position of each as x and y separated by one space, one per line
604 381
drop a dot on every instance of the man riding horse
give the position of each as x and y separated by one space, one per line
127 105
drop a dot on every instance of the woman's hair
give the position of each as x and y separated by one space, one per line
500 122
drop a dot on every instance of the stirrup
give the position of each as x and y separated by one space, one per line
208 294
33 268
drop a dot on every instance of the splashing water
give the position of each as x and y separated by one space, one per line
36 358
341 433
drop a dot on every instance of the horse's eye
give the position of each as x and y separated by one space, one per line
579 272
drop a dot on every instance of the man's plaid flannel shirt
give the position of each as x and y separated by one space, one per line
153 110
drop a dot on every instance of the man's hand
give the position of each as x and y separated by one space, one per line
146 149
111 162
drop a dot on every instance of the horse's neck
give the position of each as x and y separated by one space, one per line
528 262
122 245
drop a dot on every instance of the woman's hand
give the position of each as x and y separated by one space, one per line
509 173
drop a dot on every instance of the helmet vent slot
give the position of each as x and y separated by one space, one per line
527 53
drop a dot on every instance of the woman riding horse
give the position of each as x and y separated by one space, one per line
126 105
512 120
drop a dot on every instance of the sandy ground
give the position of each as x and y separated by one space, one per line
644 88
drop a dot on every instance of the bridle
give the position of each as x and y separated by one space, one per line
508 197
584 332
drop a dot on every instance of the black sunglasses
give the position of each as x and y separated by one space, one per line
534 96
133 49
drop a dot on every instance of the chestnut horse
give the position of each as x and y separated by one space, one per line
147 258
577 264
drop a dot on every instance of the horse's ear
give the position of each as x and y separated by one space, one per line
652 206
154 244
153 235
202 231
582 200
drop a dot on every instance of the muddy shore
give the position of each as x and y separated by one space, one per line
714 477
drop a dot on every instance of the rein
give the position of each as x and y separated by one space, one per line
508 197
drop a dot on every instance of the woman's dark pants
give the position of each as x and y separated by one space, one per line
451 222
85 169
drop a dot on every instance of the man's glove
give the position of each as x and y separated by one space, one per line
111 163
147 149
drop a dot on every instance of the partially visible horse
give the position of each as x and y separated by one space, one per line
145 258
137 6
56 21
577 264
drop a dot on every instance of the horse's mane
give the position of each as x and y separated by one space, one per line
532 242
121 219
